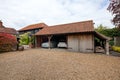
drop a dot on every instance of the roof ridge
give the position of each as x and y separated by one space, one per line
37 23
71 23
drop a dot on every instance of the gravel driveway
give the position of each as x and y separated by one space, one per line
57 64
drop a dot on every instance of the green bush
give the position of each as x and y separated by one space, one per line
24 39
111 42
116 48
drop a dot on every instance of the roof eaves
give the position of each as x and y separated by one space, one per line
29 29
102 36
37 34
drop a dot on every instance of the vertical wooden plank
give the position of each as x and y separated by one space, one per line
73 43
86 43
81 42
93 43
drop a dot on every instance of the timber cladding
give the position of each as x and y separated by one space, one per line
81 42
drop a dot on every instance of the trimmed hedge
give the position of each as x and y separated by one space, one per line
116 48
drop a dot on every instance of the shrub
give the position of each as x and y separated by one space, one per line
24 39
7 42
111 42
116 48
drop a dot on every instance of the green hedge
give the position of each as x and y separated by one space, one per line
116 48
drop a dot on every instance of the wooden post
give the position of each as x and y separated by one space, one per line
35 45
37 41
107 47
49 41
115 41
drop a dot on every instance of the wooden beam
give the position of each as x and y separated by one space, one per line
107 47
49 41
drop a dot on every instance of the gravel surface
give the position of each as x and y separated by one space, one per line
113 53
58 64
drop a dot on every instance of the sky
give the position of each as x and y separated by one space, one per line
20 13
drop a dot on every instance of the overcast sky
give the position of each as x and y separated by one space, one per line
20 13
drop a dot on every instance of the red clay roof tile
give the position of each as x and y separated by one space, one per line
8 30
33 26
84 26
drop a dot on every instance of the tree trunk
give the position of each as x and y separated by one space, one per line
117 41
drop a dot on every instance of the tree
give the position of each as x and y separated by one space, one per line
101 29
110 32
7 42
114 7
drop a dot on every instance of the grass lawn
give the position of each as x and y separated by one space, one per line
58 64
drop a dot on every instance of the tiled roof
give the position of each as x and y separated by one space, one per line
101 36
8 30
84 26
33 26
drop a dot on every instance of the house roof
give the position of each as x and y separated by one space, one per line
8 30
101 36
77 27
33 26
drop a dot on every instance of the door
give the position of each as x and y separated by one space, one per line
73 43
